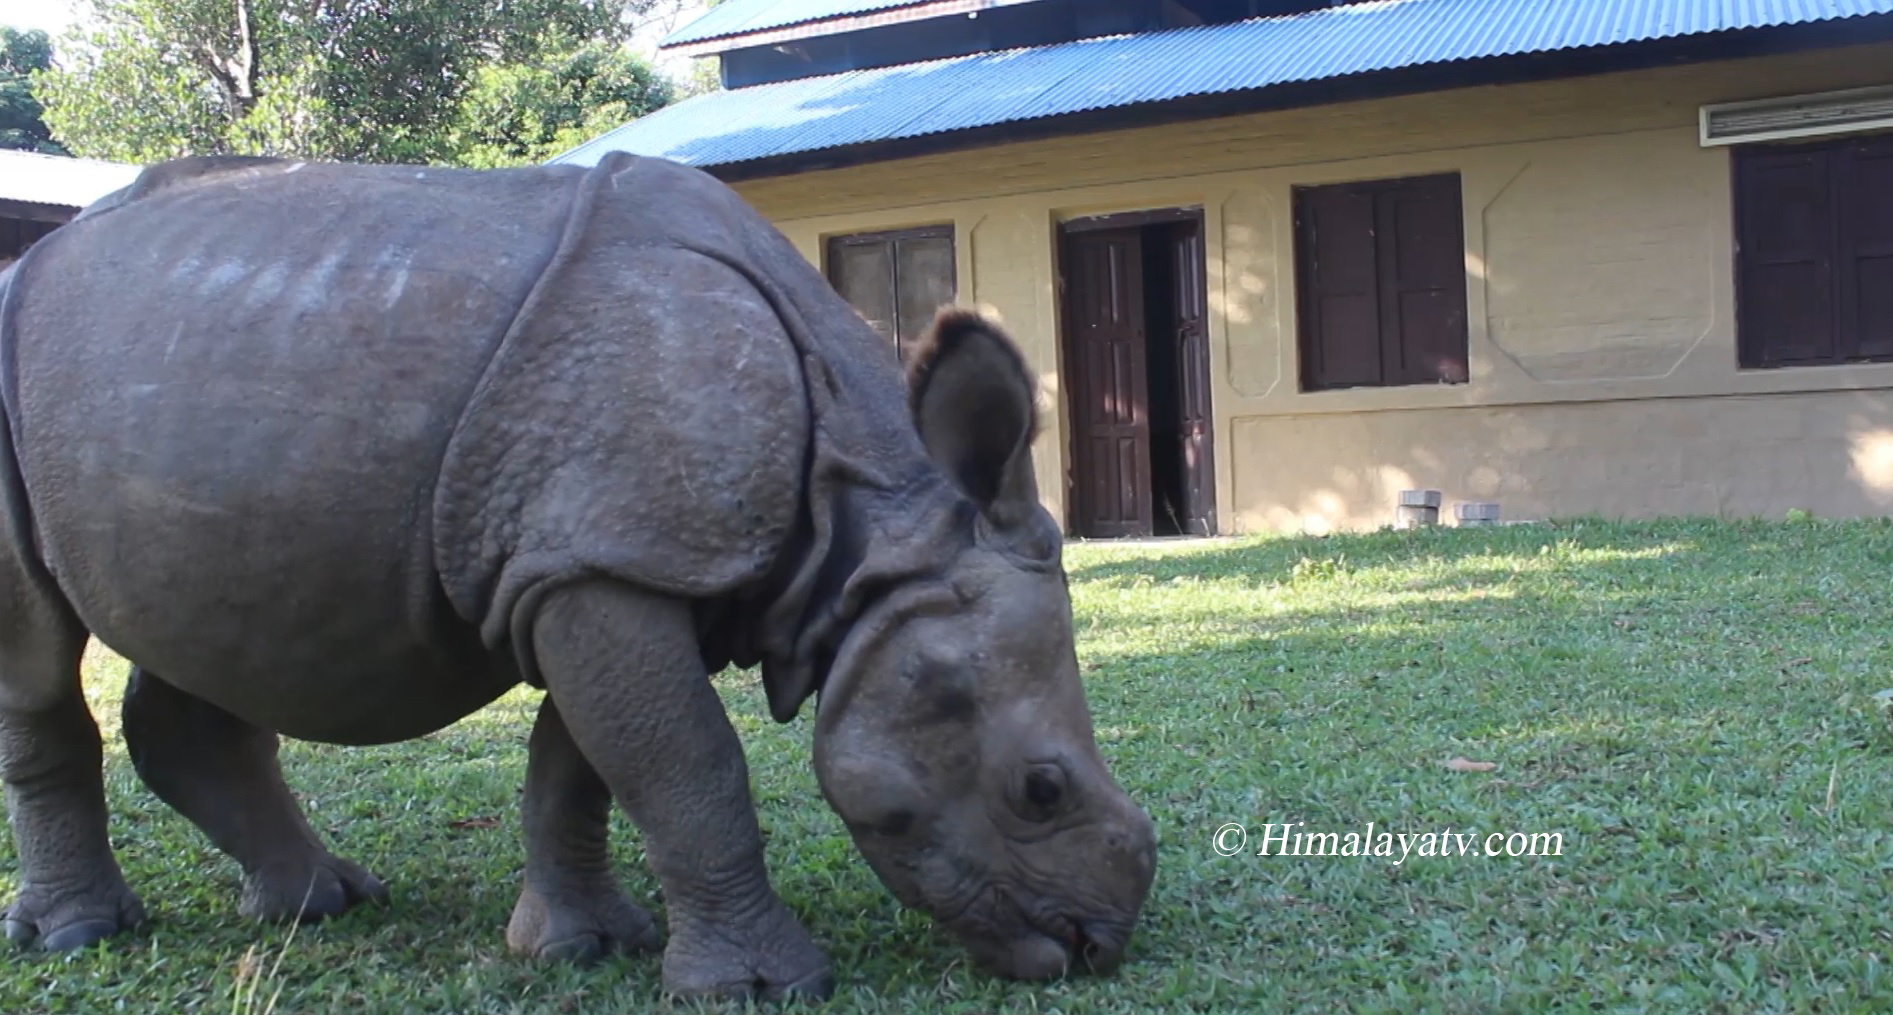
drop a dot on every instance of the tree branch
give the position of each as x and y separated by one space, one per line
236 76
246 49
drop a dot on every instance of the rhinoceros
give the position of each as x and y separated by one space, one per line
343 453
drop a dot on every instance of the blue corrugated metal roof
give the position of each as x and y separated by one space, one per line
740 17
987 89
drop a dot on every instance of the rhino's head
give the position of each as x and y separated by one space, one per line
954 738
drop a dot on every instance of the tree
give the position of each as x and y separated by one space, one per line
367 80
22 125
517 113
703 73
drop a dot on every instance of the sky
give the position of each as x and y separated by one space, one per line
51 15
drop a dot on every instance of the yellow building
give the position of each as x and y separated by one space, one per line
1277 261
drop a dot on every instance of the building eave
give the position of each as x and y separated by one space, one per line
58 181
36 211
1489 72
924 11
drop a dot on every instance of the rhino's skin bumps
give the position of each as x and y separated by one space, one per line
344 452
538 363
674 461
256 437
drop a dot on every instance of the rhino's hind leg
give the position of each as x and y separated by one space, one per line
71 891
222 774
624 668
571 906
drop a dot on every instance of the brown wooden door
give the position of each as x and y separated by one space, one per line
1193 374
1105 347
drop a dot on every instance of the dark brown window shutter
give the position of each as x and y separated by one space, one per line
896 279
1383 283
1785 232
863 273
925 282
1426 280
1866 248
1340 305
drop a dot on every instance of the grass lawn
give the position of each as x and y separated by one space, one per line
1688 705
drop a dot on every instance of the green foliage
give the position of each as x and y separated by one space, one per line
1693 706
364 80
155 79
22 126
518 113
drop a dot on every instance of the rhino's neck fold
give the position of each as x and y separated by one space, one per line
863 543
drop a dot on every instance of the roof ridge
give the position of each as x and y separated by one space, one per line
75 159
1377 45
695 32
62 180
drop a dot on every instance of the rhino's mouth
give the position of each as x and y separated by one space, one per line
1081 947
1011 931
1027 942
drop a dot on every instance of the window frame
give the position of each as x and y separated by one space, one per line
833 245
1396 367
1754 351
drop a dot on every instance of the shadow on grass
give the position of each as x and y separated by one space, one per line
1274 560
1663 696
1667 697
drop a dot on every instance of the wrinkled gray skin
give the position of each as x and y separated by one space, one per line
344 453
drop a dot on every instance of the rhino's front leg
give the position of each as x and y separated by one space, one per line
571 906
623 668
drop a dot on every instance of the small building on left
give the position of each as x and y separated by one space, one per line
40 193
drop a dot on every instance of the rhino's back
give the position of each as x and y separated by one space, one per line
230 399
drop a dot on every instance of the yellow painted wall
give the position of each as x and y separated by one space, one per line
1599 293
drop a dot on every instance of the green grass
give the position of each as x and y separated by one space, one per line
1689 705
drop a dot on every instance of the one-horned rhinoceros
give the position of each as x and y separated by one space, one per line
342 453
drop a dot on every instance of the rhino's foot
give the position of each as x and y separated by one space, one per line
580 926
309 891
64 922
770 958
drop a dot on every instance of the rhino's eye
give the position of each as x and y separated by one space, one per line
1043 791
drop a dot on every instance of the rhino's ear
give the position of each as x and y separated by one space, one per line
972 402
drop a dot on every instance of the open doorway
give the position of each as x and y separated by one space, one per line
1135 347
